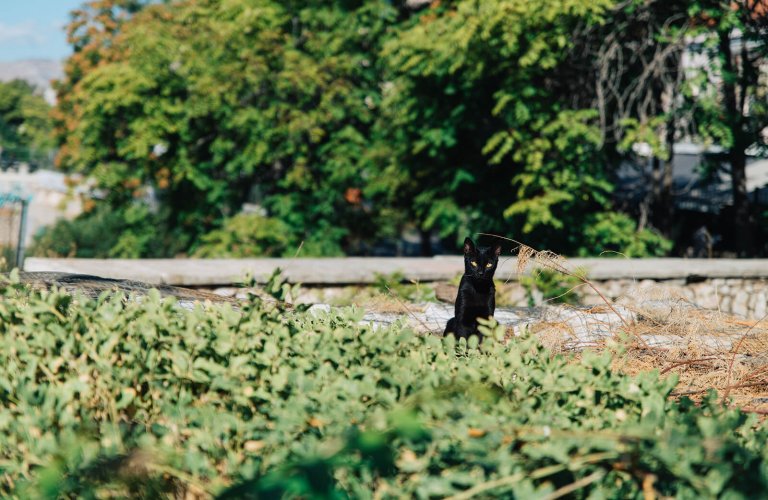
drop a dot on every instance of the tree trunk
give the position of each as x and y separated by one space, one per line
425 236
666 207
662 208
737 156
655 201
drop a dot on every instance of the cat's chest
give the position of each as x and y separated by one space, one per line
475 293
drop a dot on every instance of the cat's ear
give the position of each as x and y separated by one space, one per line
497 249
469 246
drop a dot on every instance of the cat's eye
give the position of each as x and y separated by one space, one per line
489 265
474 264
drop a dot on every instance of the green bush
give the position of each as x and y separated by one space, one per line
395 284
116 398
134 231
616 233
92 234
554 287
248 235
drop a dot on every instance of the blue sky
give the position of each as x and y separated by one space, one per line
34 29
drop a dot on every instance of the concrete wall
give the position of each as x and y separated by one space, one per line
732 285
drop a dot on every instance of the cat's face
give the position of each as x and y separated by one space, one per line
480 262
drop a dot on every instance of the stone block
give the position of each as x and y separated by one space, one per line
740 304
760 305
647 284
705 296
725 304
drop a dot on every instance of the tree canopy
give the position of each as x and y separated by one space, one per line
345 122
24 125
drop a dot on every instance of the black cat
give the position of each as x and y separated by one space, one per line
477 293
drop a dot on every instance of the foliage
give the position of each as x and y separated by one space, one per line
248 235
278 287
91 32
732 69
396 284
345 121
685 71
25 127
133 231
477 123
728 95
205 100
546 285
129 398
7 258
613 233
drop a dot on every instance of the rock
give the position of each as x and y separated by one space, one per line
725 304
515 296
586 326
614 289
760 305
226 291
316 309
741 303
647 284
576 327
752 302
93 286
705 295
446 292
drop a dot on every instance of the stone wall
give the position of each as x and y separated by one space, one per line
738 286
741 296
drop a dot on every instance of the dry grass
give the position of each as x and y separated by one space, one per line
705 349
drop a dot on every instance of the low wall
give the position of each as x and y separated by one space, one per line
737 286
744 297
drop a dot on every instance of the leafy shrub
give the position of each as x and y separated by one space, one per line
616 232
248 235
91 234
7 258
130 232
395 283
552 286
115 397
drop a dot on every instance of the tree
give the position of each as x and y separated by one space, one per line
91 32
25 127
214 104
715 98
346 121
483 133
630 71
728 96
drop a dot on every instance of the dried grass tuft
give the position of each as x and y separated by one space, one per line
704 349
524 256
